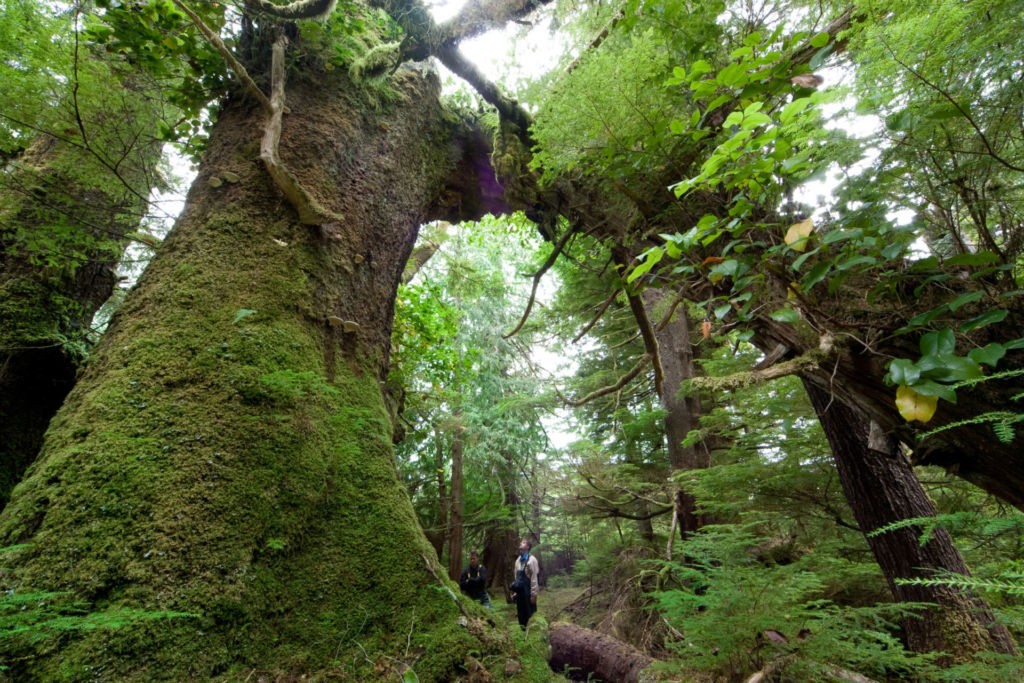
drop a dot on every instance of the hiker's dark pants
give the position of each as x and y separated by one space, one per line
524 608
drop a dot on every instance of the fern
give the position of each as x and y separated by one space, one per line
1009 584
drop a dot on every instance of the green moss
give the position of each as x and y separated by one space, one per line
241 469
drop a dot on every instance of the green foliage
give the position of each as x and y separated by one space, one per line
740 611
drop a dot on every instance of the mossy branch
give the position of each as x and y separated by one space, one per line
478 17
738 380
302 9
309 210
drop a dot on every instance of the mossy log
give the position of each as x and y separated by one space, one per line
584 655
227 454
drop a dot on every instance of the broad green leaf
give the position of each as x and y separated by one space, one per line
996 316
929 388
983 258
723 311
915 406
964 299
903 371
816 274
793 108
786 315
820 40
938 343
855 261
990 354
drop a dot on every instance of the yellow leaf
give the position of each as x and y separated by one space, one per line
798 234
915 406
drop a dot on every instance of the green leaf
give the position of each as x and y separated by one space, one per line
983 258
996 316
820 40
786 315
964 299
816 275
794 108
752 39
942 342
242 313
723 311
840 235
856 261
902 371
990 354
943 391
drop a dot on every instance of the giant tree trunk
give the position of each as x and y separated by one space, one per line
63 227
228 452
881 488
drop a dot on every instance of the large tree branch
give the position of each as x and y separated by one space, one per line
480 16
538 275
806 361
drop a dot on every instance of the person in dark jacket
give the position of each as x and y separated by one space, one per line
473 580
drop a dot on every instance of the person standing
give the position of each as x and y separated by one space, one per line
473 580
525 588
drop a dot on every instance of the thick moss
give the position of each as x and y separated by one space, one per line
228 452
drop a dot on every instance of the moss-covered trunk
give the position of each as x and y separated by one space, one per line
64 219
228 452
882 489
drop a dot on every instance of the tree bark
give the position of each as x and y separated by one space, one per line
63 227
501 542
455 518
228 452
881 488
584 655
682 414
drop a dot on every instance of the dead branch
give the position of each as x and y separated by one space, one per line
538 275
597 316
596 41
650 340
623 381
228 56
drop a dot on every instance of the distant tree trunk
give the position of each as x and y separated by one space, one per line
882 488
455 519
501 541
439 537
63 228
228 452
682 413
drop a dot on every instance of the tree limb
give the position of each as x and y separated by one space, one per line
805 361
219 45
480 16
623 381
597 316
538 275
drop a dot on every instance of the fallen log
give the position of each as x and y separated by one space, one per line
581 654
